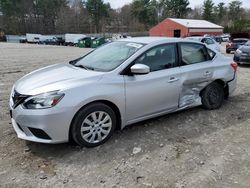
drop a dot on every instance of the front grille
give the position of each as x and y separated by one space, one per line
18 98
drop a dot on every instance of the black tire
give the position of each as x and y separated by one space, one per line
228 51
212 96
82 115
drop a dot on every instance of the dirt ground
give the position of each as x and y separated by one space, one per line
194 148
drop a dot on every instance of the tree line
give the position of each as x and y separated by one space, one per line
95 16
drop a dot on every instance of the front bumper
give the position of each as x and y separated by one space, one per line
44 126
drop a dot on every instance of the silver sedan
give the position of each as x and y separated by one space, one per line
116 85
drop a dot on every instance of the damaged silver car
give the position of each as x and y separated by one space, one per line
116 85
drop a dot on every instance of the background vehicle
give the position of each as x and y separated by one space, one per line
73 39
218 39
235 44
242 55
22 40
88 98
60 41
225 37
47 39
33 38
236 40
207 40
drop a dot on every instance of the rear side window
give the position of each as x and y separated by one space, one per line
193 53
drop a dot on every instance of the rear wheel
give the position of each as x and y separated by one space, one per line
93 125
212 96
228 51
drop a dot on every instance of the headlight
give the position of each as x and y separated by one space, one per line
238 51
43 101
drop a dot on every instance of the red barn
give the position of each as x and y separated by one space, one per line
172 27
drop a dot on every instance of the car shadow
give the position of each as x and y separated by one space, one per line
177 128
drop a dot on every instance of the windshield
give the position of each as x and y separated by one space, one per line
109 56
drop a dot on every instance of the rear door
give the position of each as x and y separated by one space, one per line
197 72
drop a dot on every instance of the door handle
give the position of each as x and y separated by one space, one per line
173 79
207 73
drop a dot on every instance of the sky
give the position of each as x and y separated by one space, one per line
119 3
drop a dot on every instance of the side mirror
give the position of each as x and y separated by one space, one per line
140 69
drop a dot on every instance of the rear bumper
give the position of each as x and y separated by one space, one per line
232 85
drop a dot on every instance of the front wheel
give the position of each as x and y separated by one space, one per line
93 125
212 96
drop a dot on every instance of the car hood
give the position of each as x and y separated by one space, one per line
245 49
55 77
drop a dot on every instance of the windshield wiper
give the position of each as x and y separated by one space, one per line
84 67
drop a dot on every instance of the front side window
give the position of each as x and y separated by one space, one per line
193 53
159 58
109 56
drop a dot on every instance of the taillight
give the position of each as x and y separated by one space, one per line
234 66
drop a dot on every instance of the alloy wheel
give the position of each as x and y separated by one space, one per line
96 127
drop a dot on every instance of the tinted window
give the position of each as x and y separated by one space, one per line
158 58
193 53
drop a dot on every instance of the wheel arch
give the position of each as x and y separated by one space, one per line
223 84
106 102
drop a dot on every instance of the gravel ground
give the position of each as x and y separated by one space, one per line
192 148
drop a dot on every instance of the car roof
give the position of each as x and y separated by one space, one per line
149 40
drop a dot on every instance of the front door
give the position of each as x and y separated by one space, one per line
157 91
